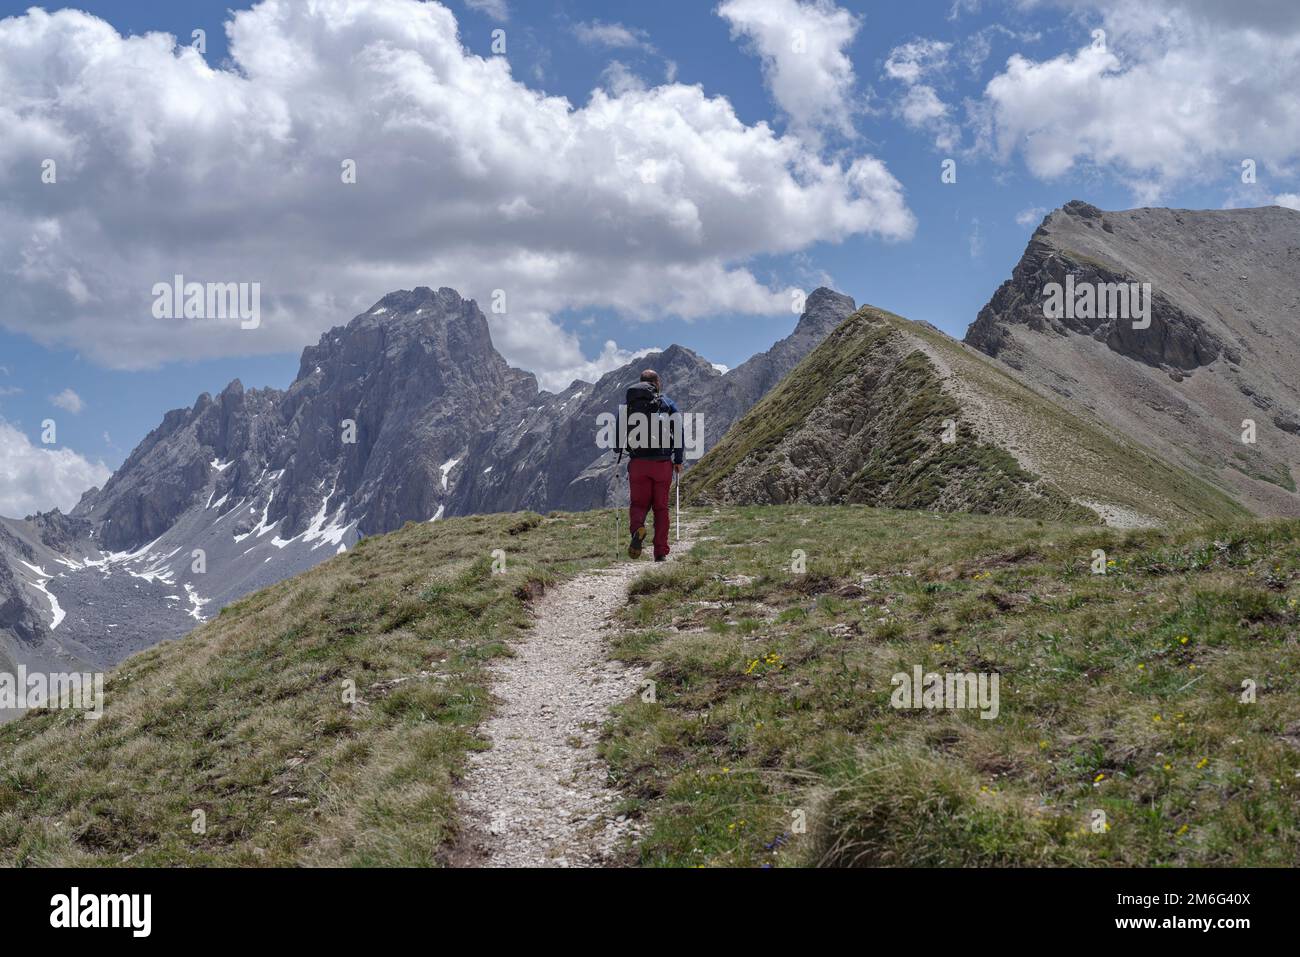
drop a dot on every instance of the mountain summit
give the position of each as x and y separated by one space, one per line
1213 383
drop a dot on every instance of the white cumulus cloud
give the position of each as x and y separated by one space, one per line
69 401
619 79
35 479
646 201
913 61
801 44
1164 92
920 107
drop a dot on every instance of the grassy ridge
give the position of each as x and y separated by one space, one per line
863 415
245 719
760 431
858 421
1120 694
1082 458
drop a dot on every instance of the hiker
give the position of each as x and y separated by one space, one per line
653 465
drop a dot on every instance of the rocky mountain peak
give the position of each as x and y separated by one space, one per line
824 309
1219 344
423 308
1082 209
676 364
433 326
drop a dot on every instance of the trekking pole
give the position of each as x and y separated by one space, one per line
678 485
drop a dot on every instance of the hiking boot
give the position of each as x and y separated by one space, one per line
638 539
661 558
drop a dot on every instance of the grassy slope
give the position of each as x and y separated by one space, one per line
245 719
759 432
904 467
773 695
1119 693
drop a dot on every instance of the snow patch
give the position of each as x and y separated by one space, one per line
262 527
232 511
323 529
446 468
196 612
58 613
36 568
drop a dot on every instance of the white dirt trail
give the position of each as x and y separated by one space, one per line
540 796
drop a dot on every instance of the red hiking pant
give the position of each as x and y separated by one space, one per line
650 481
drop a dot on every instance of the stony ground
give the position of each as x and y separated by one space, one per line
540 796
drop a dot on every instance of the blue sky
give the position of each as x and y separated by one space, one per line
959 240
